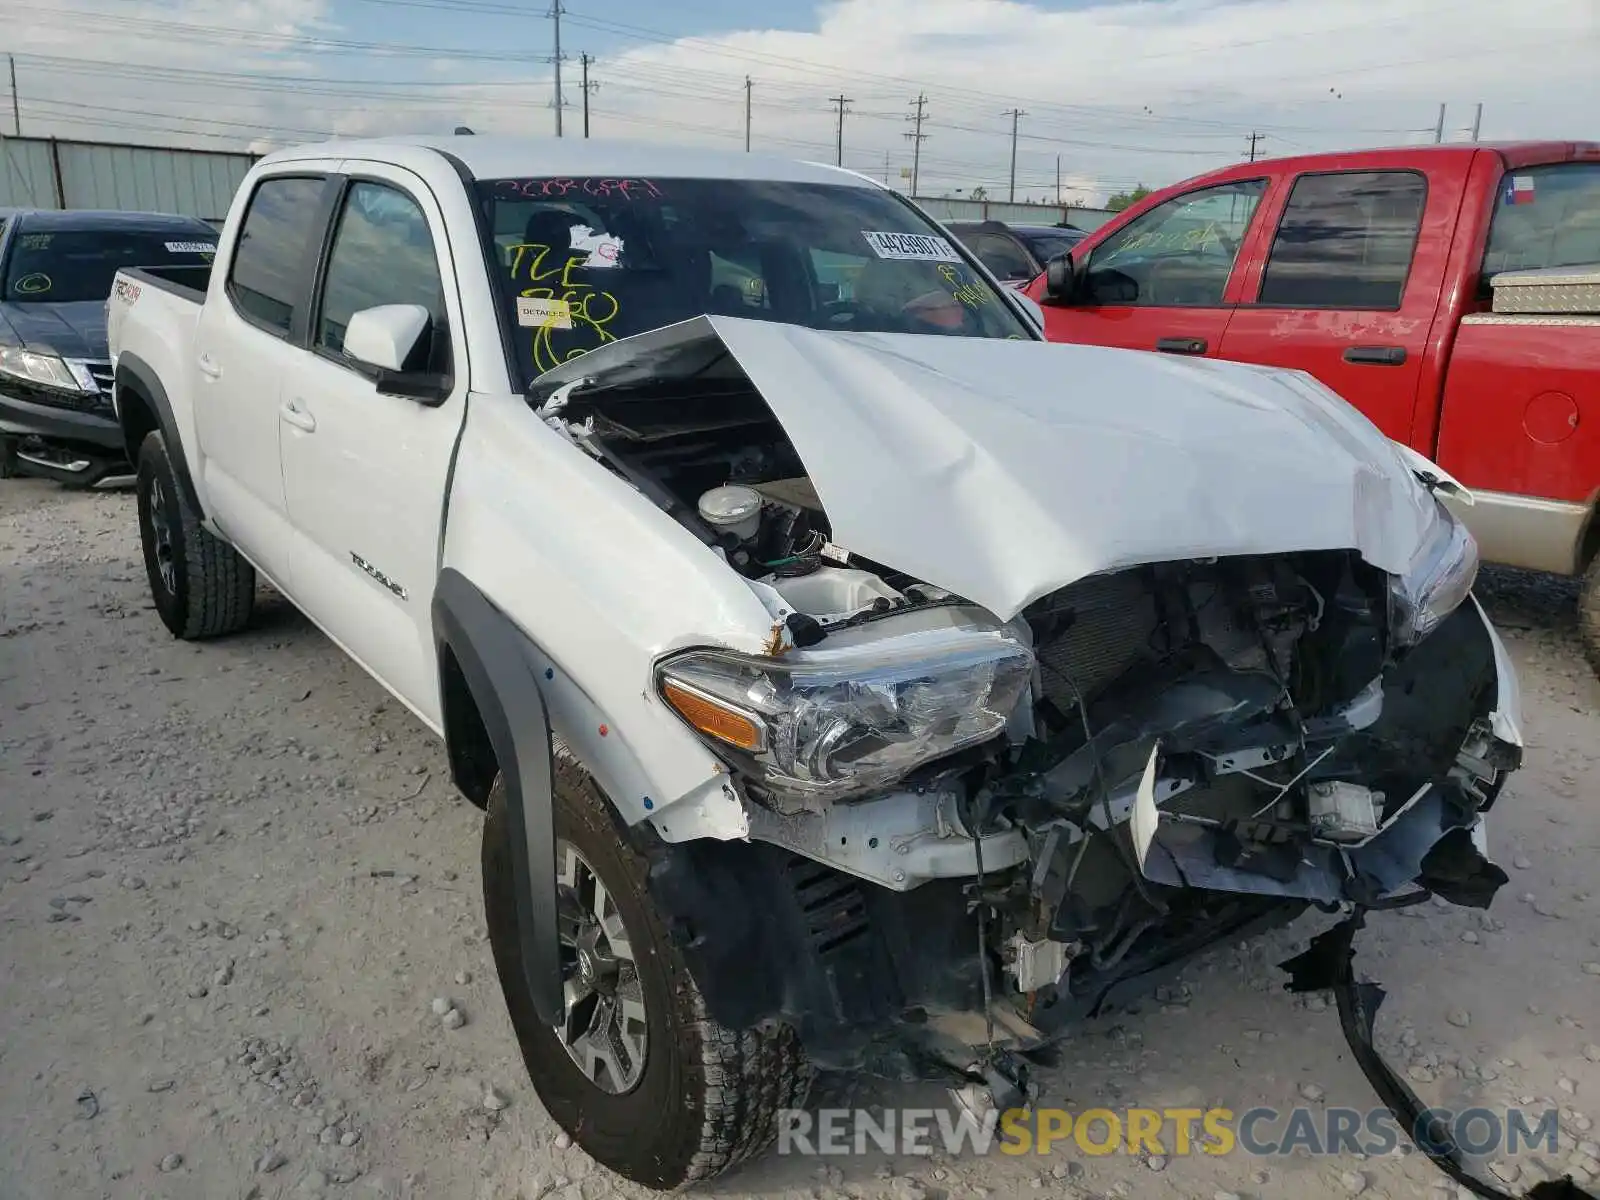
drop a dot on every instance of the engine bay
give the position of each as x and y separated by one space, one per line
711 454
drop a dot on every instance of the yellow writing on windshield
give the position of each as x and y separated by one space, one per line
553 277
970 292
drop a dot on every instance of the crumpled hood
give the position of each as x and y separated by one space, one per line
1004 470
75 329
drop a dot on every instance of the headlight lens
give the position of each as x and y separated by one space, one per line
44 369
835 723
1438 580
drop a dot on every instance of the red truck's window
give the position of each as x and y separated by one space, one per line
1545 217
1179 253
1346 240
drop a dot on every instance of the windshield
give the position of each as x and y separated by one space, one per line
64 265
583 262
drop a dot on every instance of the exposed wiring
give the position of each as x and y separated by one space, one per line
1105 792
1284 788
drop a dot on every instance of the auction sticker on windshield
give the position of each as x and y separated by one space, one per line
191 247
543 312
917 247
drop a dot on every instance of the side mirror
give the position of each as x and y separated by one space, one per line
1061 280
384 337
381 340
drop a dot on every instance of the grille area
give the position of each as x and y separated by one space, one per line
97 401
101 373
1092 632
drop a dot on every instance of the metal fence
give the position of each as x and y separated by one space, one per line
51 173
943 208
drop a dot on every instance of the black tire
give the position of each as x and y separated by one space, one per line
1589 614
8 458
709 1096
202 586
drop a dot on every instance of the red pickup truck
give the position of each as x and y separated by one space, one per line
1451 293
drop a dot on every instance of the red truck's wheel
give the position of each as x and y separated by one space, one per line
1589 614
671 1097
202 586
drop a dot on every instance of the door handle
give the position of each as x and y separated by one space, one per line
1182 345
209 367
291 412
1376 356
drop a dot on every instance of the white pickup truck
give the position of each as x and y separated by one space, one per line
851 677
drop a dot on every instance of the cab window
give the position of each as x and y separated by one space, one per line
1179 253
382 254
1346 241
1545 217
266 277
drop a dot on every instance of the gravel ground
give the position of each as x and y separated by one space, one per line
234 881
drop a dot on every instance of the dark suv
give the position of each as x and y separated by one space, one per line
1015 253
56 268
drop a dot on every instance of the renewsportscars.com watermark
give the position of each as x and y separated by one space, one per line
1163 1131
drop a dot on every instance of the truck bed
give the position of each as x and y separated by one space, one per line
187 281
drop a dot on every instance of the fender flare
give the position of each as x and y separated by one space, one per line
493 655
137 376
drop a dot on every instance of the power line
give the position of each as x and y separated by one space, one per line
587 89
841 100
555 19
1016 115
917 138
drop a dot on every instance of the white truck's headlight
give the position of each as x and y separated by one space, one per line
838 722
1439 578
45 369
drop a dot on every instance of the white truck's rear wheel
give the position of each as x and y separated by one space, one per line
640 1076
202 586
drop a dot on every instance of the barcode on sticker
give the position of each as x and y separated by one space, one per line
191 247
913 247
542 312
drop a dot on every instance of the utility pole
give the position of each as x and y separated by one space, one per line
587 88
841 100
1255 140
1058 179
1438 128
747 114
1016 115
885 168
916 137
16 111
1477 120
555 16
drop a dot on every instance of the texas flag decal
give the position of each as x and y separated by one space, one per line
1519 189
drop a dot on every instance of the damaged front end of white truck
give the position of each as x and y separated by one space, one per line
1067 678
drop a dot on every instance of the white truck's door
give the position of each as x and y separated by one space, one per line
366 474
244 347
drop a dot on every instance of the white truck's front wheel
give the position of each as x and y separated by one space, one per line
638 1073
202 586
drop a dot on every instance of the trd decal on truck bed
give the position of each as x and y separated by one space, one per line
378 575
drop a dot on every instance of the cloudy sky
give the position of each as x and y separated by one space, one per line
1118 92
